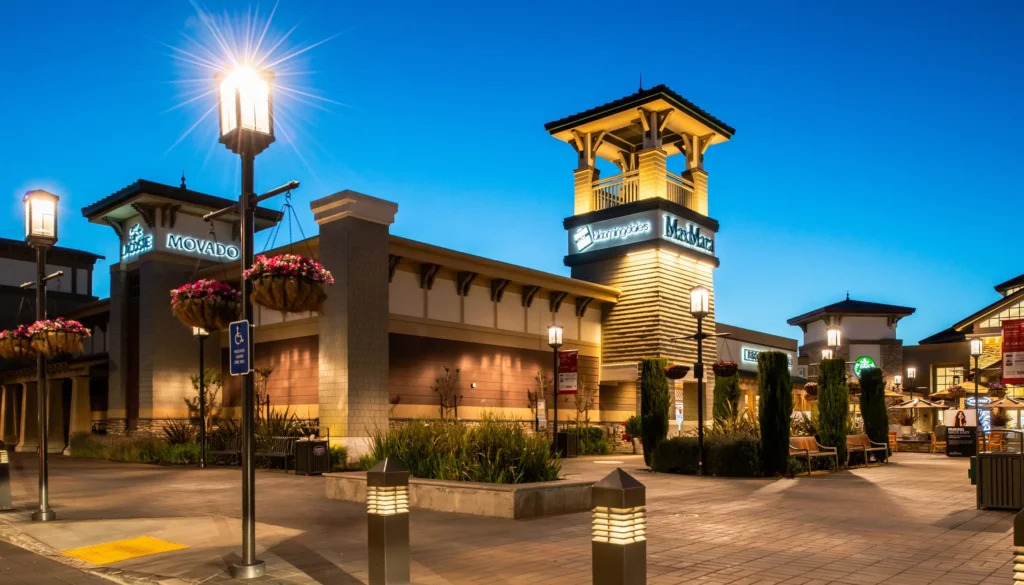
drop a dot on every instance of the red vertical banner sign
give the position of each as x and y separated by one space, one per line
1013 351
568 371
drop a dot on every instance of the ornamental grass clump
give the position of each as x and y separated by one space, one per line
494 451
288 283
16 344
206 303
57 337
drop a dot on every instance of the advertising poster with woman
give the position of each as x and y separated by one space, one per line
961 432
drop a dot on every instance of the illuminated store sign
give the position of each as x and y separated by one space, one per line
138 242
862 363
585 237
688 234
642 226
205 247
750 354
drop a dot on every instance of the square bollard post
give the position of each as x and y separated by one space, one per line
619 544
1018 548
6 503
387 509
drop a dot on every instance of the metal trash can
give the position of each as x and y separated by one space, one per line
567 445
1000 481
312 457
6 502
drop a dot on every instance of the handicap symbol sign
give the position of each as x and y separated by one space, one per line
240 349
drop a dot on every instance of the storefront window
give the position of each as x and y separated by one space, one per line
948 376
1014 312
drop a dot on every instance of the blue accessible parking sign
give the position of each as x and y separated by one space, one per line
240 348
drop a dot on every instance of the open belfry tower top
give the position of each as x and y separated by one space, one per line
638 133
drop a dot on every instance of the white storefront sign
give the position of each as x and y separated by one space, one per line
640 227
138 242
200 246
749 355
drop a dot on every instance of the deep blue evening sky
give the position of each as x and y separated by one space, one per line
877 146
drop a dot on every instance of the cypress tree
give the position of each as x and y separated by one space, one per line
654 403
726 400
833 404
872 405
775 410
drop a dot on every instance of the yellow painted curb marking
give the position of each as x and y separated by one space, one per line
122 550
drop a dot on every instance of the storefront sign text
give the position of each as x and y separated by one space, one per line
205 247
862 363
568 371
586 237
750 354
688 234
138 242
1013 351
642 226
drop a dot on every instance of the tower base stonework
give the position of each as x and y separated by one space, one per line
353 327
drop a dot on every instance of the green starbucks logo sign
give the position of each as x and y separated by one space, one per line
862 363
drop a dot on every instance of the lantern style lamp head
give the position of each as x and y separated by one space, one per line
976 347
912 373
700 301
41 218
555 336
200 332
897 379
835 336
246 110
826 354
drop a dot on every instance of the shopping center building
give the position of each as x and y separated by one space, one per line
400 311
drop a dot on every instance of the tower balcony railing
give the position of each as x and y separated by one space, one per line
625 188
616 190
679 190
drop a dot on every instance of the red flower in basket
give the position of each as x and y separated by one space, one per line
288 283
206 303
724 369
58 336
16 344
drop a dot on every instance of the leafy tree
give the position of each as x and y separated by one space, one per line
446 387
775 411
212 383
872 405
654 403
833 404
726 400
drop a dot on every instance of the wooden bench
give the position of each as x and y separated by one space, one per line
810 448
278 448
232 448
863 444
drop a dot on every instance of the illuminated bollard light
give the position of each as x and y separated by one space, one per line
387 508
1018 548
5 479
619 544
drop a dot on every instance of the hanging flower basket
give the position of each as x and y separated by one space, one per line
58 336
16 344
288 283
996 390
676 371
724 369
206 303
811 390
854 388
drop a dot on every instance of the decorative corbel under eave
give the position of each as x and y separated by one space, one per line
148 213
393 262
498 286
117 225
556 300
464 280
428 272
581 305
529 292
169 215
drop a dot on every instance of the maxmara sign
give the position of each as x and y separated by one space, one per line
639 227
139 242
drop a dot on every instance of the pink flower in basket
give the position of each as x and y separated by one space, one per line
19 332
288 265
205 289
58 325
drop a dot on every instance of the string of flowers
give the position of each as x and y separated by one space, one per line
288 265
205 289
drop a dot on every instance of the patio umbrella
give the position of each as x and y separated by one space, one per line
1008 403
969 389
891 394
916 403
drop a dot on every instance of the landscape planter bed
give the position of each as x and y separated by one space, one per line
516 502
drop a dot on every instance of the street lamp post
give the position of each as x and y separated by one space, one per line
247 129
976 350
555 341
827 353
897 380
911 379
201 334
41 233
700 300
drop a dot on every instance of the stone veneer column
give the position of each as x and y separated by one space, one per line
353 356
651 166
28 435
699 178
584 182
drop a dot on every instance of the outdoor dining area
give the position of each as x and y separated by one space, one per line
917 424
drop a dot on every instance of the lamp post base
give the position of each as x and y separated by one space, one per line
257 569
44 516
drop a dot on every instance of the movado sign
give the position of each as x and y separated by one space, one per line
200 246
139 242
640 227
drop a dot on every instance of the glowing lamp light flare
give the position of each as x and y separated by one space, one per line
387 501
619 525
245 101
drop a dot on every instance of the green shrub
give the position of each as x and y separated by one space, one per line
737 455
339 458
726 397
872 405
833 405
180 432
365 462
654 403
186 454
633 427
676 455
795 467
495 451
133 449
592 441
775 413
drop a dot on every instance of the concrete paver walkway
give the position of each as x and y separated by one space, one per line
21 567
909 523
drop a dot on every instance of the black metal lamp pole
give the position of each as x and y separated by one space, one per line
249 564
976 351
555 341
44 513
698 372
202 334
